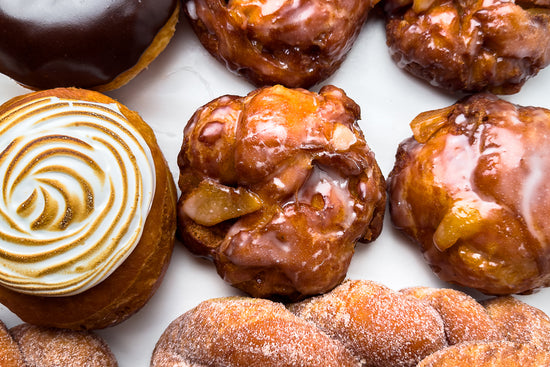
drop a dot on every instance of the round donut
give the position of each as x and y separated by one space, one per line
51 347
277 187
520 322
464 318
293 43
97 45
472 45
88 204
470 188
246 332
488 354
10 354
377 324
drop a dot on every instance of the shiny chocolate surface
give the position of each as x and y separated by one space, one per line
46 44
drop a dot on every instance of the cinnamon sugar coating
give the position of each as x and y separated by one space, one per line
488 354
277 188
246 332
471 188
294 43
470 45
379 326
520 322
359 323
50 347
10 354
464 318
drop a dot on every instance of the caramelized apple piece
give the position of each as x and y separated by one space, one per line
211 203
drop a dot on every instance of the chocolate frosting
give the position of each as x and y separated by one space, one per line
45 44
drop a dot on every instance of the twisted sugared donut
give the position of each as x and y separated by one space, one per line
10 354
294 43
471 189
470 45
277 187
88 44
246 332
81 177
362 320
464 318
488 354
35 346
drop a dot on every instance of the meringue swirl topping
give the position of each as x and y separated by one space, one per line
77 183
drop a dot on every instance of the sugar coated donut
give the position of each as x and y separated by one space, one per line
51 347
246 332
88 208
520 322
488 354
10 354
88 44
464 318
358 323
277 187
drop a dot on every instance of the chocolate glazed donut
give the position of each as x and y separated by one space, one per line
64 43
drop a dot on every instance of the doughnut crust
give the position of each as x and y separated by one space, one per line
487 354
97 45
277 187
129 287
464 318
471 189
10 354
50 347
245 332
374 325
470 45
377 324
520 322
296 44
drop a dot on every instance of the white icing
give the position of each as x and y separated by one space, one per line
89 174
192 10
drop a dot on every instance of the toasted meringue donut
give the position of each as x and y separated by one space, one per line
86 197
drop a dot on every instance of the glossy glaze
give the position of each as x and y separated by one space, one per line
295 43
470 45
473 189
318 186
47 44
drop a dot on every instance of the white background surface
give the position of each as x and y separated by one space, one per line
186 77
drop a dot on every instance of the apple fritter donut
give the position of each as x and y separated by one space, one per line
294 43
472 188
277 187
470 45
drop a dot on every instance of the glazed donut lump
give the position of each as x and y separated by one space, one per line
277 188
